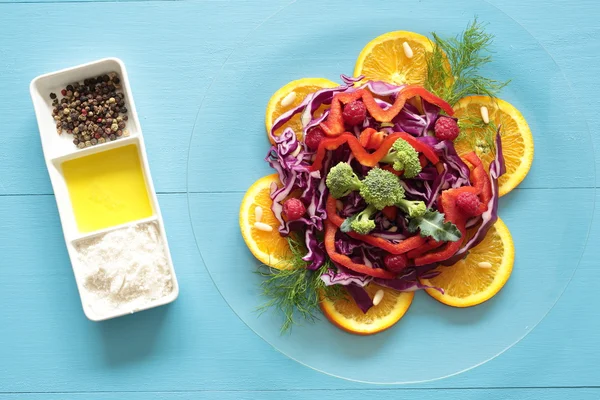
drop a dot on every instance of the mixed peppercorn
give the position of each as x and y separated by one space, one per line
93 112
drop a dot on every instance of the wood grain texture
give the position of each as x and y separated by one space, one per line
169 72
198 343
380 394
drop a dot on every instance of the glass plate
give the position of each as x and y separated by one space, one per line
549 215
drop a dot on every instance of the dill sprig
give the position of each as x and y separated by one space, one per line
453 66
479 135
294 291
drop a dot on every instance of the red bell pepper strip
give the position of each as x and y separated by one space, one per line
330 230
430 245
399 248
371 139
365 137
376 140
390 212
362 156
423 160
334 125
392 170
480 180
452 214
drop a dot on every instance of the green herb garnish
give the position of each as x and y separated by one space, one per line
432 225
480 136
294 292
453 66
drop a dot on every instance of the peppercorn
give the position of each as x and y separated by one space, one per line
53 95
119 133
101 140
69 87
123 110
94 141
75 142
88 143
81 145
112 137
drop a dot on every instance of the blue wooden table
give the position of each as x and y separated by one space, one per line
197 348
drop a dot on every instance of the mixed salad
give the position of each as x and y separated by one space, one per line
378 188
388 183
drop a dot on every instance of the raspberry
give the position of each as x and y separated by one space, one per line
446 128
293 209
395 262
355 112
468 203
314 137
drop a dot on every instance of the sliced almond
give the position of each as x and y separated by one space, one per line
261 226
258 213
289 99
378 297
408 52
485 115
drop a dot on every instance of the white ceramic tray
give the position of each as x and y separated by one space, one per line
60 148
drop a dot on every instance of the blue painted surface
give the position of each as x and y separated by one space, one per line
197 345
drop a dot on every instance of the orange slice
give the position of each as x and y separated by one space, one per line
384 58
267 246
301 88
345 314
517 141
480 275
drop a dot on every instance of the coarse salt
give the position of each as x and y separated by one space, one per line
408 52
289 99
125 269
258 213
378 297
485 115
261 226
484 264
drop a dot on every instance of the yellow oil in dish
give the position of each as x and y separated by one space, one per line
107 188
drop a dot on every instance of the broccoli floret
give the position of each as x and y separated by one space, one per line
362 222
414 209
381 188
403 157
342 180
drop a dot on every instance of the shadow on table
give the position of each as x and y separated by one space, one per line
132 338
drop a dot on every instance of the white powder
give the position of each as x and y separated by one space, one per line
125 269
